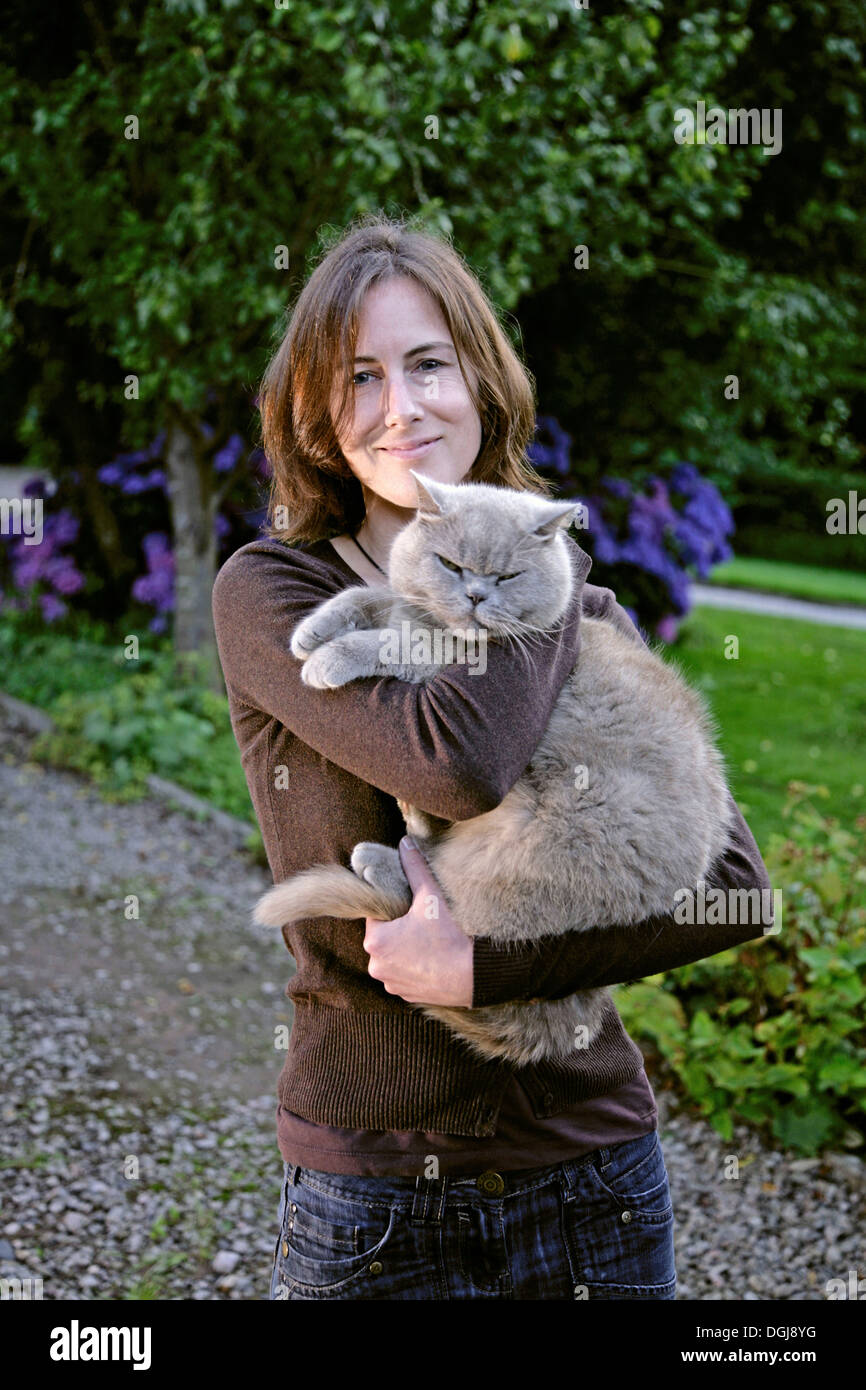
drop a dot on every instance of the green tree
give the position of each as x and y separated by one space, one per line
172 167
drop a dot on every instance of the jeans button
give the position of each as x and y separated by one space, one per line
626 1216
376 1267
285 1249
491 1184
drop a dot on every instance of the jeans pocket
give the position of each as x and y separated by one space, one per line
619 1224
328 1241
633 1174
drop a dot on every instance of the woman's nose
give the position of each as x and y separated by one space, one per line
399 399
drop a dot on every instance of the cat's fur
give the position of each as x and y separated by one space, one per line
555 855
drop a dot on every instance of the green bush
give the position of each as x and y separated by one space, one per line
143 723
774 1032
37 662
117 721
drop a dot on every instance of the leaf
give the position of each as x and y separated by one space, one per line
777 978
830 887
804 1129
328 40
839 1071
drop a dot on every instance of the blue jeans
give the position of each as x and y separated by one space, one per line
600 1226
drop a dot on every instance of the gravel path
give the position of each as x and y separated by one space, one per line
778 605
138 1151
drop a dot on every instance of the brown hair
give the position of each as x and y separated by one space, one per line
311 478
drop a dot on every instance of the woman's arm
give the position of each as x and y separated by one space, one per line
557 966
452 747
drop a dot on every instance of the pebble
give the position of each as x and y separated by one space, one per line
225 1261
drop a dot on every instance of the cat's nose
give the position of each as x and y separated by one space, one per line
476 595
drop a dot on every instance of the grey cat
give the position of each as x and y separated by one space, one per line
625 799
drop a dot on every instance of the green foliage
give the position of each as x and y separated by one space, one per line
37 664
118 720
145 724
555 127
774 1032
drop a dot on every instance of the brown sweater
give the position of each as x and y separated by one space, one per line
324 769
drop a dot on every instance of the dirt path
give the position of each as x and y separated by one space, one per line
150 1039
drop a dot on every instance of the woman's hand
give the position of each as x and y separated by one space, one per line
424 957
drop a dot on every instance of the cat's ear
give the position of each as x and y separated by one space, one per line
431 500
559 514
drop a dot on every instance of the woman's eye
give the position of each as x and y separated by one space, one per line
449 564
425 366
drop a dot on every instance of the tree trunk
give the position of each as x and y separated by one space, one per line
193 506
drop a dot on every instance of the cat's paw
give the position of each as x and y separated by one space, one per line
380 865
329 667
316 630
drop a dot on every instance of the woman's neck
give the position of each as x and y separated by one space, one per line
382 524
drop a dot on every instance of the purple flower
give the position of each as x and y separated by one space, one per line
111 473
552 451
666 530
45 564
618 486
667 628
226 457
157 586
52 607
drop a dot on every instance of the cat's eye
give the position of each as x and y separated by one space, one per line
449 564
509 576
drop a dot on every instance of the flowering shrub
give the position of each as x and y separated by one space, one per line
45 572
42 574
646 540
157 586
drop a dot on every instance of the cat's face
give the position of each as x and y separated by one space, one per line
485 556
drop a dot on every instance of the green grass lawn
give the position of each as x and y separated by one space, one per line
797 581
792 706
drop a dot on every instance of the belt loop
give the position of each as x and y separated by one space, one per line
568 1178
294 1170
428 1200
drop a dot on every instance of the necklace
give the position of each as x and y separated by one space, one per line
368 557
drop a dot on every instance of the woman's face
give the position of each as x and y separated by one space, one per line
412 407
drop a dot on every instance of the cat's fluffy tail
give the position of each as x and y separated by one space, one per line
327 890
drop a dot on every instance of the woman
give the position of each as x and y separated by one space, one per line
413 1169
